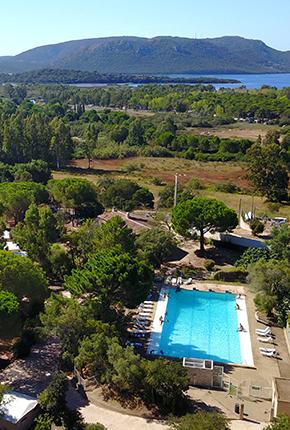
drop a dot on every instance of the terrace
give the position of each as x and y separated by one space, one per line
248 382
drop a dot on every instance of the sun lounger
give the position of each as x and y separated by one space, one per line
148 302
188 281
269 354
144 314
173 281
265 332
267 349
266 339
135 334
139 344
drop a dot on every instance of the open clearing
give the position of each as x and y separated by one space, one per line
143 171
237 130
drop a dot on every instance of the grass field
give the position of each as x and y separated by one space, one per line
143 170
237 130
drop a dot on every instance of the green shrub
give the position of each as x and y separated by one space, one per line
251 256
227 187
231 274
257 226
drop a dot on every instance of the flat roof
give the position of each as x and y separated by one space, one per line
15 406
283 389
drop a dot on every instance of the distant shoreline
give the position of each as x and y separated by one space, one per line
75 77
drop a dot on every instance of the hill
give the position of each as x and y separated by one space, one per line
230 54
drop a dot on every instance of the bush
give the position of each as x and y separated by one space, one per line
227 187
231 274
251 256
257 226
202 421
156 181
280 423
209 265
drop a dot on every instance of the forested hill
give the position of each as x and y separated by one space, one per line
157 55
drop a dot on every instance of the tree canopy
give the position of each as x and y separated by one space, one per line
203 214
80 195
113 277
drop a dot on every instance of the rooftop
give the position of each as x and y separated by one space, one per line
16 405
283 389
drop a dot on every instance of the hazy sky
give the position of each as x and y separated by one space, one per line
26 24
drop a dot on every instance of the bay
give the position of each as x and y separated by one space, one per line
250 81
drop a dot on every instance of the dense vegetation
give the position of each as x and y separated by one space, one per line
59 76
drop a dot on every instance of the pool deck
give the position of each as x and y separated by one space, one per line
245 338
157 326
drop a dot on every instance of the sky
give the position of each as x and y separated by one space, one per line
26 24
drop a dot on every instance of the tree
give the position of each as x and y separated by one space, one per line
36 232
114 233
77 195
38 170
52 399
126 195
252 255
280 242
90 141
268 171
92 356
61 144
202 421
165 383
10 317
155 245
125 373
113 278
270 279
23 278
136 133
203 214
60 261
15 198
70 321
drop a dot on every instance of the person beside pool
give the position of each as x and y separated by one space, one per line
237 307
241 328
161 319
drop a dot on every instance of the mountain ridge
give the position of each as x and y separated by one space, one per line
160 54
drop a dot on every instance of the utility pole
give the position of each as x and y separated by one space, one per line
175 189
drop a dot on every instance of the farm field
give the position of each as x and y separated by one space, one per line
143 171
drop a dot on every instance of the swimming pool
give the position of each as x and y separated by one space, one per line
198 324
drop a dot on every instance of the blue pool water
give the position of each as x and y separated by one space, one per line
201 324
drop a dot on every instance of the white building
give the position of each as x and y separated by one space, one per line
18 411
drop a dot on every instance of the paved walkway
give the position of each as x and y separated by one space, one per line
117 421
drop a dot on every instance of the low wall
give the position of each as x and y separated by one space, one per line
244 242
